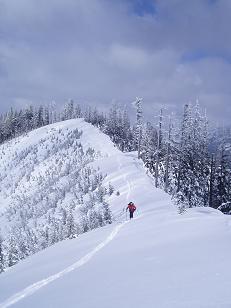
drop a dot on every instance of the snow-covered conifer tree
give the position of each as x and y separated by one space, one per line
223 177
158 148
13 255
193 164
46 116
1 255
107 215
149 144
70 224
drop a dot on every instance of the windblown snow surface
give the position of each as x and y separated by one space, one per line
159 259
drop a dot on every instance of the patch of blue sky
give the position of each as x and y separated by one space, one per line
212 1
142 7
198 55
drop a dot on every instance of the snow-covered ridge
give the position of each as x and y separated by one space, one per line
160 259
58 181
50 188
32 151
29 155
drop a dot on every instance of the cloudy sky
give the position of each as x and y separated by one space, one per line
101 51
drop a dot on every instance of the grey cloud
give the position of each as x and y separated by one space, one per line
100 50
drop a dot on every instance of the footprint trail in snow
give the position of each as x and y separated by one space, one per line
42 283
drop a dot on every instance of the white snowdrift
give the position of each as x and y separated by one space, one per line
160 259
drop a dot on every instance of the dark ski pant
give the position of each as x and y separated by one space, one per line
131 214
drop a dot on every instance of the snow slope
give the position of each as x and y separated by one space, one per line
46 178
159 259
33 150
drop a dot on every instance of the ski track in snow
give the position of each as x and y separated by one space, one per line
42 283
125 180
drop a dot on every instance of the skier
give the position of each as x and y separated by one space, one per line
131 207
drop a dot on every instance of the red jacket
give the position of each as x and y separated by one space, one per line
131 208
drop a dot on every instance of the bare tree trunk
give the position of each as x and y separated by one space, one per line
168 154
211 182
158 149
139 142
139 115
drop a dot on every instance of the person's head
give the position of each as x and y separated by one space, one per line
130 203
